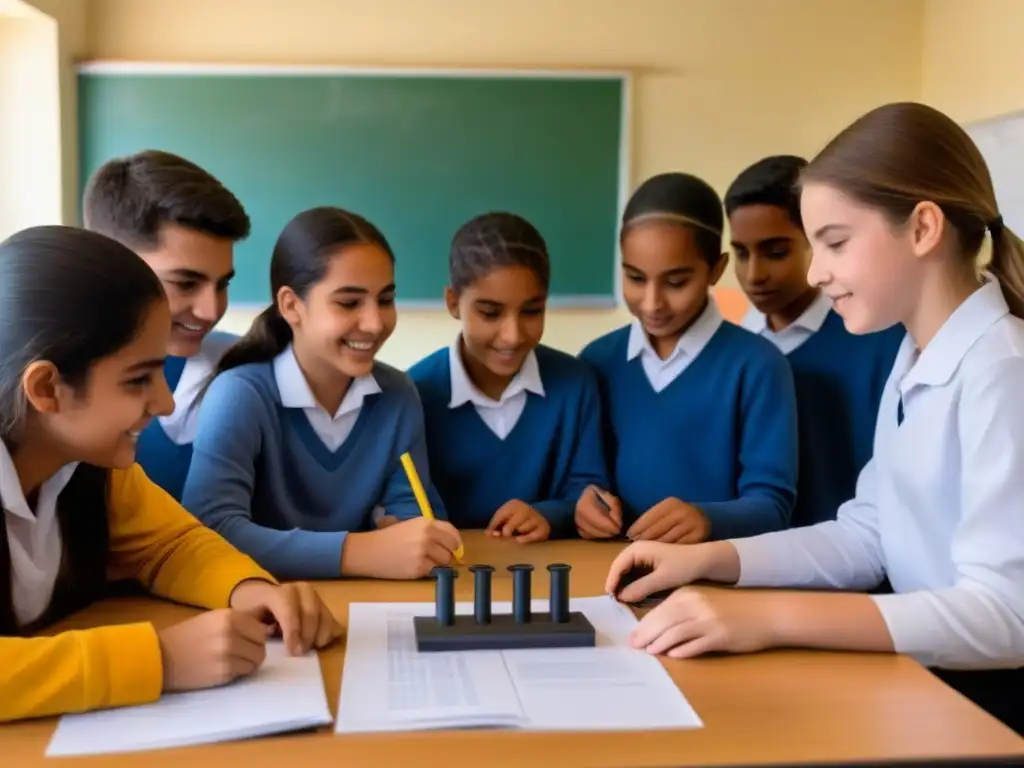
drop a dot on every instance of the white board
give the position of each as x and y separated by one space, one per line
1001 141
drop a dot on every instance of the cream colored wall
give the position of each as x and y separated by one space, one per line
30 158
973 58
719 82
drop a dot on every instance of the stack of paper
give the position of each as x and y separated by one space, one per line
387 685
286 694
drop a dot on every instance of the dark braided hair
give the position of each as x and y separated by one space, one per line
684 200
492 241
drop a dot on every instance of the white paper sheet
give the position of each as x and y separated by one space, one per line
387 685
286 694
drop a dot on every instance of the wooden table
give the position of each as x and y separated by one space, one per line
772 708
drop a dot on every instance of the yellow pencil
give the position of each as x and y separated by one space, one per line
421 495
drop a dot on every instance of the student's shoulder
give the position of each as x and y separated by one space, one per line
748 347
559 369
430 368
607 349
216 344
246 383
395 384
999 351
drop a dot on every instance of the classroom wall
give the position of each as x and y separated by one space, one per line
972 57
719 83
30 156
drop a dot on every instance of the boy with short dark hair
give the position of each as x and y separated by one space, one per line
184 223
839 377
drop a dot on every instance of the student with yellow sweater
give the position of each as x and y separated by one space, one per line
84 327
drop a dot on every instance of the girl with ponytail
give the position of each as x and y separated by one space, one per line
301 431
897 209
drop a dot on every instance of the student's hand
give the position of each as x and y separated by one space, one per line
295 611
212 649
671 521
386 521
668 566
519 519
593 521
690 623
408 549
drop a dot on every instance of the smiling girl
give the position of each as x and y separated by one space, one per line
300 435
513 427
897 207
702 425
84 326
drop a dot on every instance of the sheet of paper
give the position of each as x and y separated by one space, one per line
387 685
286 694
605 688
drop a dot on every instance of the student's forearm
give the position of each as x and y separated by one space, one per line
79 671
292 554
560 514
747 516
828 620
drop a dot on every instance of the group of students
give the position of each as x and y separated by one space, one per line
860 431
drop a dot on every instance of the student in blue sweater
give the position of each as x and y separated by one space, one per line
513 427
701 413
301 432
184 224
839 376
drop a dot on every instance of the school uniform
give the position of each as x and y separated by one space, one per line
164 449
151 540
938 509
713 425
839 379
285 481
540 442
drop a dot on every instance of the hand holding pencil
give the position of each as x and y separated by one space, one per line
421 497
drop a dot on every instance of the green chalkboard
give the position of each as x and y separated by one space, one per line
418 154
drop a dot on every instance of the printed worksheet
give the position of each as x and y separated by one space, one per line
387 685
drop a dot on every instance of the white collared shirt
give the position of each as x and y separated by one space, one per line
34 540
939 509
796 333
180 425
502 415
332 429
660 372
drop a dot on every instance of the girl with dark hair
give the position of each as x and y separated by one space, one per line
897 208
300 434
702 424
84 326
513 427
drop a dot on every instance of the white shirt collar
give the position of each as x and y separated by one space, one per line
296 393
13 495
937 362
691 343
465 391
811 319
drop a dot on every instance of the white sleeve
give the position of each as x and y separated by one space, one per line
844 553
978 622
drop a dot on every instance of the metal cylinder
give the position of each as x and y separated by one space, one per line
482 592
444 594
558 596
521 597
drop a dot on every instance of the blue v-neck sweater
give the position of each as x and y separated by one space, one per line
548 459
722 436
839 381
263 479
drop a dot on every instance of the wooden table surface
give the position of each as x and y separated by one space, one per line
781 707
